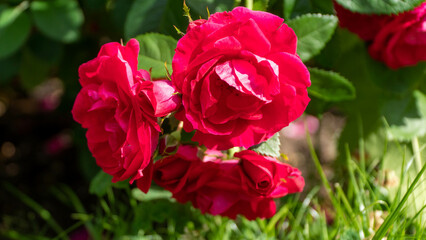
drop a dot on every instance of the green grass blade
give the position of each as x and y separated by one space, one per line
319 169
347 206
41 211
80 209
390 219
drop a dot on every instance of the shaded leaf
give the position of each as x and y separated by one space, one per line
9 67
33 70
313 32
58 19
288 6
15 27
200 6
155 16
271 147
330 86
144 16
412 127
45 48
100 184
155 50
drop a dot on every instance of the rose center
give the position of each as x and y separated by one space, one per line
263 184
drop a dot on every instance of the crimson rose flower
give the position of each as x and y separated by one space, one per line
184 169
397 40
402 41
240 78
226 195
364 25
268 177
230 187
119 106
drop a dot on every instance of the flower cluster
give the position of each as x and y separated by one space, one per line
236 81
397 40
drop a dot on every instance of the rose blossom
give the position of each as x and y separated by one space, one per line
268 177
364 25
402 41
182 170
240 78
397 40
226 195
227 188
119 106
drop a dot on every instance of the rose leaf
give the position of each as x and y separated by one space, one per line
330 86
58 19
14 29
271 147
313 31
155 50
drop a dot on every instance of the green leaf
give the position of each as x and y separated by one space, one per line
379 6
412 127
155 16
200 6
118 11
311 6
330 86
45 48
421 103
400 81
33 70
58 19
9 67
100 184
350 234
15 27
313 32
144 16
155 50
153 194
271 147
288 6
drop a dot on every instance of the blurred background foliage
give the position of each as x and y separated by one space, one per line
42 44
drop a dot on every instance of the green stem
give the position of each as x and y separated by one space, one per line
416 151
249 4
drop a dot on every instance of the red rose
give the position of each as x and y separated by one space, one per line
402 41
119 106
363 25
240 78
268 177
184 169
229 187
397 40
225 195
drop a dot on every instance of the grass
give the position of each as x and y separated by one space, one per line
355 207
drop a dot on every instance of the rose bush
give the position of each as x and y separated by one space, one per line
397 40
246 186
119 106
240 78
